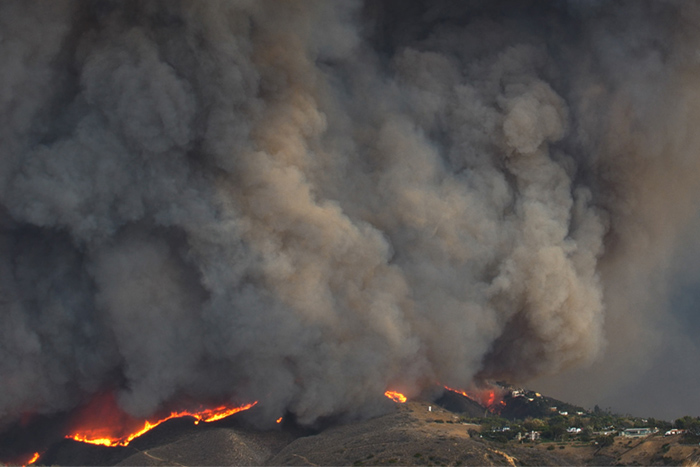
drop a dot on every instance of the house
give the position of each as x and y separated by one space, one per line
674 431
572 430
637 432
531 436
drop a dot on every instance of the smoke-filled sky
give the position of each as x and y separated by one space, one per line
307 202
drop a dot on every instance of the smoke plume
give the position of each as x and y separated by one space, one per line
309 202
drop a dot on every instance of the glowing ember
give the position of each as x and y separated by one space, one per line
279 420
489 398
396 396
119 429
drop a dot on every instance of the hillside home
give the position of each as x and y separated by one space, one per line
636 432
531 436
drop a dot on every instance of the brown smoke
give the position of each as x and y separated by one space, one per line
308 202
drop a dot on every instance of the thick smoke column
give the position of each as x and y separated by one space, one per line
308 202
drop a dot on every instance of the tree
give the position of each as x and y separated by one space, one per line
586 434
554 431
534 424
688 423
605 440
660 424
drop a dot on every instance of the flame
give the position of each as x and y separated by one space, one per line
118 429
24 460
396 397
279 420
35 457
489 398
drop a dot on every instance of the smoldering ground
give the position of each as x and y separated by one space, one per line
308 202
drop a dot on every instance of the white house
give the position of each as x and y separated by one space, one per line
637 432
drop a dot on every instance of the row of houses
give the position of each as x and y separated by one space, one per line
627 433
566 412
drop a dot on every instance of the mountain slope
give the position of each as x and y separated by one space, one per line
416 434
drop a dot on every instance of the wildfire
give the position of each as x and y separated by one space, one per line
279 420
35 457
489 398
120 429
396 397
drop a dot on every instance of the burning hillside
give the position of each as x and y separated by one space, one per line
305 203
490 398
102 422
506 401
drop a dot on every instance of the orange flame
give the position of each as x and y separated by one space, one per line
489 398
35 457
396 397
118 429
279 420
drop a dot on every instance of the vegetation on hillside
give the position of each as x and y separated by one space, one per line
527 416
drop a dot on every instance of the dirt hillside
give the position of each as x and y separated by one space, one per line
416 433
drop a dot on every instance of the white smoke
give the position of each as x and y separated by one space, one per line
308 203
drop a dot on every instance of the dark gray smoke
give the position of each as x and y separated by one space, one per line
309 202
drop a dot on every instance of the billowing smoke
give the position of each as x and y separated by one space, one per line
309 202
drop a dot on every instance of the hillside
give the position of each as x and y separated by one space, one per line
415 433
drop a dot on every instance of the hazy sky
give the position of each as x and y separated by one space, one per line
662 380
